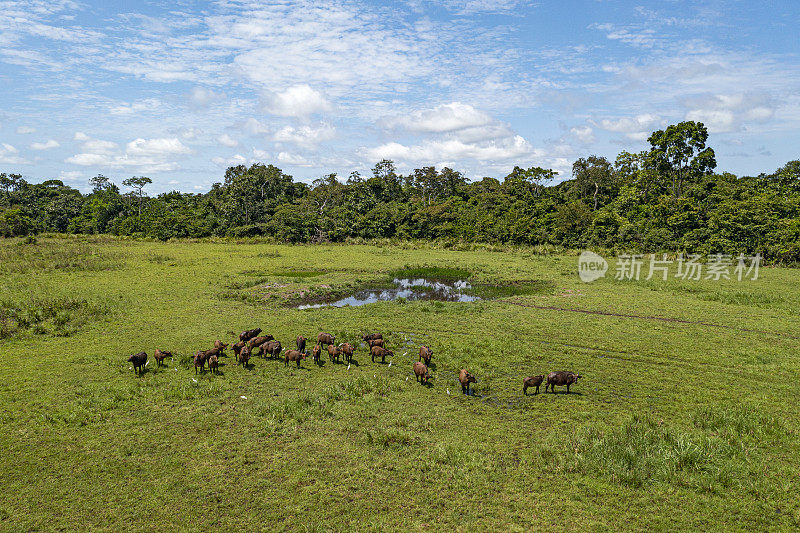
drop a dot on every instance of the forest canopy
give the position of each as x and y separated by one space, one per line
666 198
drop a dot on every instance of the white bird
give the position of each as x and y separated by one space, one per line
405 353
243 397
348 367
390 364
406 378
374 375
147 363
130 368
194 380
448 391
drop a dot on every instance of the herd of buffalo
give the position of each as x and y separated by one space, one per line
252 339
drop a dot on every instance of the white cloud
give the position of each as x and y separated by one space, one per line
636 128
729 112
52 143
584 134
295 160
125 108
204 97
454 150
232 161
24 130
297 101
306 136
443 118
80 136
227 140
145 155
10 155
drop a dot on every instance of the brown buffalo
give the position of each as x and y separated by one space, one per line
421 371
333 353
326 339
249 334
160 355
347 351
200 359
375 342
244 356
138 360
213 363
273 348
301 343
561 378
371 337
294 355
377 351
255 342
316 352
465 378
425 354
221 345
532 381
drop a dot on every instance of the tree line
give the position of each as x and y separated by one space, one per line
661 199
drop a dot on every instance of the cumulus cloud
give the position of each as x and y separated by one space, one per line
443 118
146 155
80 136
204 97
24 130
305 136
434 151
297 101
584 134
227 140
729 112
126 108
636 128
225 162
10 155
52 143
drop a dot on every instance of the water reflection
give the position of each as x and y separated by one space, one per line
410 289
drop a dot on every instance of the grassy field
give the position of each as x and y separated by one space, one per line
686 416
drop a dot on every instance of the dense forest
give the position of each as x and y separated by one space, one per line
664 198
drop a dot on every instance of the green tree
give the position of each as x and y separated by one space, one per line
138 183
680 152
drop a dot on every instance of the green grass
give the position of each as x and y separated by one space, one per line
684 419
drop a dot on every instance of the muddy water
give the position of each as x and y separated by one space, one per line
409 289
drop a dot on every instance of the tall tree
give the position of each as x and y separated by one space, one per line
138 183
680 152
594 177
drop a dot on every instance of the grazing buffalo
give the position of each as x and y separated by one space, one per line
316 352
200 359
377 351
138 360
421 372
371 337
160 355
273 348
213 364
532 381
326 339
238 347
425 354
249 334
221 345
301 343
347 351
333 353
465 378
255 342
294 355
561 378
375 342
244 356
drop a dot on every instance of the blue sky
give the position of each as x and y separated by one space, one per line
178 91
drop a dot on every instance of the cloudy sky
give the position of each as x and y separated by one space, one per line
180 90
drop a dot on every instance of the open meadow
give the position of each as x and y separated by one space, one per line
686 415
